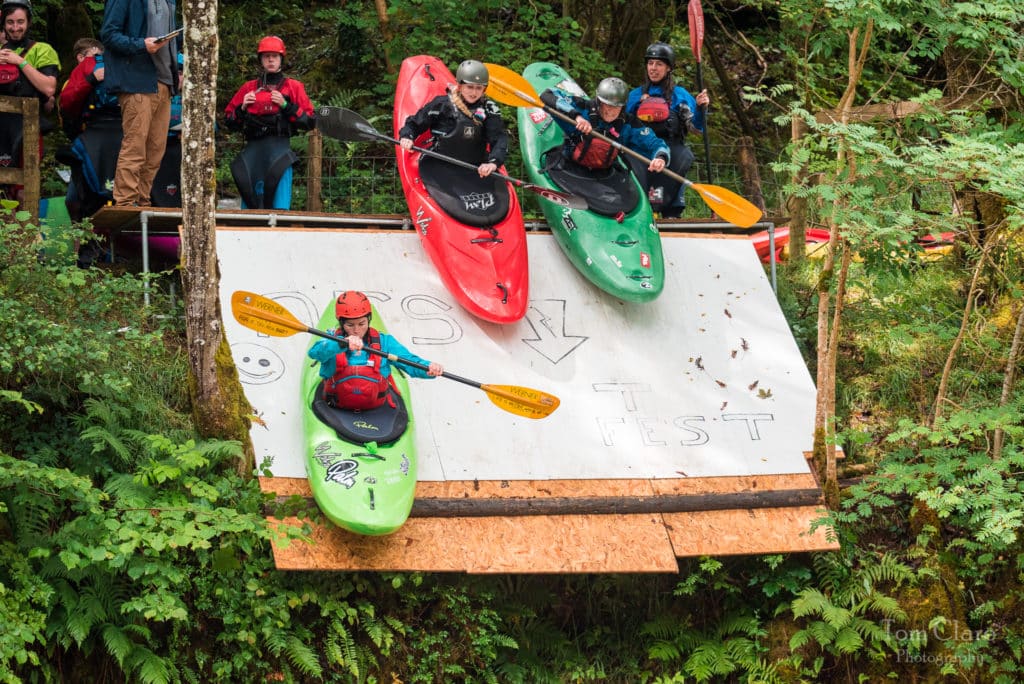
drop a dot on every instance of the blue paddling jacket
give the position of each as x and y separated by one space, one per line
587 150
684 114
325 352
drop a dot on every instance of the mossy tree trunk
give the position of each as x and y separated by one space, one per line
219 406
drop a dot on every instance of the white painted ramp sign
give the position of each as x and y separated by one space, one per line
705 381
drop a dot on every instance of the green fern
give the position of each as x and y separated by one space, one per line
148 667
117 642
851 607
303 657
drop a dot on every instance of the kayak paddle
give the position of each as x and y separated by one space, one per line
695 16
508 87
270 318
348 126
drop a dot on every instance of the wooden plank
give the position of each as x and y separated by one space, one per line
111 218
28 175
560 544
564 543
873 112
748 532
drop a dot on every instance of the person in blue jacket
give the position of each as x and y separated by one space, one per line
354 379
603 114
142 71
672 113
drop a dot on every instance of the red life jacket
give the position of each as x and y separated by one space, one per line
264 106
594 153
10 73
357 388
653 110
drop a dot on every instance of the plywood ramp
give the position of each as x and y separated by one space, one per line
608 543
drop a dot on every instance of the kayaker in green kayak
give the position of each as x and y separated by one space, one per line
356 380
603 114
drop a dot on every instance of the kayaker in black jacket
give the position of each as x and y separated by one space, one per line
465 124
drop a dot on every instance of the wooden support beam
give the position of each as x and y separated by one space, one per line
28 175
467 507
874 112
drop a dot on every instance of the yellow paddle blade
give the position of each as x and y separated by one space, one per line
729 205
264 315
522 401
508 87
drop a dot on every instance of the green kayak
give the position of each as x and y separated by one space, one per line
615 243
361 464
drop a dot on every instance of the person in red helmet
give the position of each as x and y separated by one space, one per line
354 379
268 110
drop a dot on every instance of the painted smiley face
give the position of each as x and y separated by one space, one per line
256 364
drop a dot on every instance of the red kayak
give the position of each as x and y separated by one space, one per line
934 245
471 227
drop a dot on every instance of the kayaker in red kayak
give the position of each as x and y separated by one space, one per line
356 380
465 124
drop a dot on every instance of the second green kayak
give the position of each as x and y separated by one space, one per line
615 243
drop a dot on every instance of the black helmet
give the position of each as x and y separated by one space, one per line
662 51
12 4
613 91
472 71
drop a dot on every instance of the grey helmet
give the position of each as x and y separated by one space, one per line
472 71
663 52
612 91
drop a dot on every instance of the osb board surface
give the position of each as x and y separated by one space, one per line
555 544
563 544
747 532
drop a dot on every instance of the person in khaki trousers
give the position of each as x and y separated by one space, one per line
142 70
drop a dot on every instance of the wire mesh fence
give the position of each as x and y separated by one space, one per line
363 178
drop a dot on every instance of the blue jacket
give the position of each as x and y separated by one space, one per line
325 351
129 68
680 98
625 129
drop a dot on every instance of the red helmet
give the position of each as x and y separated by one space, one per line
351 304
271 44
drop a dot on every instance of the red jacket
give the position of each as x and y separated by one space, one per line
264 118
81 92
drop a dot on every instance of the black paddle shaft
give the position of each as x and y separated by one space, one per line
338 122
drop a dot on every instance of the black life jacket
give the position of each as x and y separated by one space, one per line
465 140
357 388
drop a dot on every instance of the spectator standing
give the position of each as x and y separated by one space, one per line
268 110
28 68
143 72
672 113
91 119
167 184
